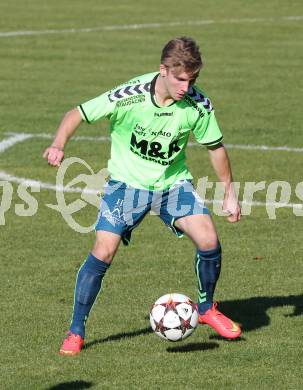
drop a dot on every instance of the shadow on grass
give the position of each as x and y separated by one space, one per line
192 347
221 338
252 314
74 385
119 336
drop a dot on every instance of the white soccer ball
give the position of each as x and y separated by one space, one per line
173 317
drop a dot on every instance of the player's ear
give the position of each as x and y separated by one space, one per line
163 70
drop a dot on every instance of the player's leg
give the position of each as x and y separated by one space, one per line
90 276
122 209
201 230
184 212
88 285
109 229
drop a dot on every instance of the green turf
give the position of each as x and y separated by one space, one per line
253 75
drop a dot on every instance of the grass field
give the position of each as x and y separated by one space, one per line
253 55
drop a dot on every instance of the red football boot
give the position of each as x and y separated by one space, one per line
72 344
222 324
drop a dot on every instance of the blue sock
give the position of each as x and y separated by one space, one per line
207 268
88 285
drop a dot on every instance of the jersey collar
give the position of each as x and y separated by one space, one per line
153 93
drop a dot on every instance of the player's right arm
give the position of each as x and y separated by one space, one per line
54 154
100 107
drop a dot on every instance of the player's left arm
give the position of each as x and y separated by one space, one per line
221 164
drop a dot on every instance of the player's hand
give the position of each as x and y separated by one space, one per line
231 206
54 156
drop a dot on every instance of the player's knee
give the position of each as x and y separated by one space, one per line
104 251
209 242
211 253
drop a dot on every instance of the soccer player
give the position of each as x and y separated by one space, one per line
151 117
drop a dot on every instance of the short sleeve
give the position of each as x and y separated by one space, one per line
97 108
206 130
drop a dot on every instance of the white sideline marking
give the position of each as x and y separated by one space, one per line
6 34
73 190
51 136
45 186
265 148
261 148
20 137
14 139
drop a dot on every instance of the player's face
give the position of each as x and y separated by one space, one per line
177 82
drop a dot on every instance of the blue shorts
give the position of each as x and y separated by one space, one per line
123 207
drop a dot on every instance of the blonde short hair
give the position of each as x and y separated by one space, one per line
182 54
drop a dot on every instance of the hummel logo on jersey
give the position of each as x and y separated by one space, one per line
199 98
163 114
130 90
